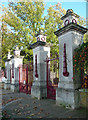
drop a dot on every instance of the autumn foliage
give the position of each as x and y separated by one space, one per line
80 60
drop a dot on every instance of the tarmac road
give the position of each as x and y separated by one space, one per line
20 105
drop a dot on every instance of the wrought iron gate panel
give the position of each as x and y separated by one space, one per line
25 84
51 91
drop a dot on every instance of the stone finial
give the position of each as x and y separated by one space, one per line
69 11
9 55
41 36
17 48
41 32
17 51
70 17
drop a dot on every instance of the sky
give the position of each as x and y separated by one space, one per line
78 6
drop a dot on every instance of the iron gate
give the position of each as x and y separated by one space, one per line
25 78
52 83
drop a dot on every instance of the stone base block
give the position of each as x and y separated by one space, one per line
14 87
7 86
1 85
39 92
68 98
83 98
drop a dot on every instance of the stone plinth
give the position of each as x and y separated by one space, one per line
14 87
83 98
39 87
67 97
7 86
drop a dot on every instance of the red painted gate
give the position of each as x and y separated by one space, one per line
25 78
51 85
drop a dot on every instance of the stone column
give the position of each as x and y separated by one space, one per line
40 52
17 60
8 67
15 81
7 80
71 35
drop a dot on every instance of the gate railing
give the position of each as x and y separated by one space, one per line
51 91
25 78
53 68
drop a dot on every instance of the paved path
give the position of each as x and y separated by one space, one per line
20 105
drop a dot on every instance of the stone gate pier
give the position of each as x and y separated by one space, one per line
40 53
17 61
70 37
7 78
12 71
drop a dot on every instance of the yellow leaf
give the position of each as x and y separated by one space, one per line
32 114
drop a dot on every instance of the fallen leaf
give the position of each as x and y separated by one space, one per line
40 117
29 117
41 109
18 110
29 111
15 109
70 117
22 108
38 112
32 114
46 113
34 102
19 104
35 107
19 113
27 105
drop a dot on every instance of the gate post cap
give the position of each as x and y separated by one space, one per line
38 43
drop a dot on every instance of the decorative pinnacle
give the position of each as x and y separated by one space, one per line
17 48
41 32
69 11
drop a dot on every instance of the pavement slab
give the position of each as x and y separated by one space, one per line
21 105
